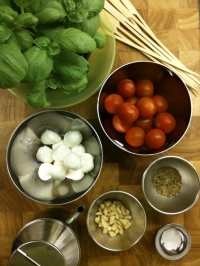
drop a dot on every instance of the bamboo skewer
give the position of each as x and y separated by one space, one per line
128 25
131 34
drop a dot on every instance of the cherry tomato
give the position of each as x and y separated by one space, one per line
112 133
165 121
146 107
144 88
126 88
155 138
127 112
132 100
145 123
120 125
112 102
135 136
161 103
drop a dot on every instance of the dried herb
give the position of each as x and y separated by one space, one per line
167 181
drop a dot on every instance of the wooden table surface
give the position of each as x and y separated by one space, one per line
176 24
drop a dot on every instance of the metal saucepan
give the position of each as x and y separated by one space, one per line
45 238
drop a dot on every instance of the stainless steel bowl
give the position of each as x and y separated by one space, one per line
167 84
131 236
24 143
188 194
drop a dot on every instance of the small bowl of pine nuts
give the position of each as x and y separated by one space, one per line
116 220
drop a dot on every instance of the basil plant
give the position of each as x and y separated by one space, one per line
44 42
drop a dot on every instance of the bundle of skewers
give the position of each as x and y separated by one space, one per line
130 28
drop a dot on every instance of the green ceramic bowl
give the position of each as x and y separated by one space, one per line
101 63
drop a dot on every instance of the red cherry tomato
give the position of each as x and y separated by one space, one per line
135 136
146 107
112 102
165 121
126 88
112 133
127 112
155 138
120 125
132 100
145 123
161 103
144 88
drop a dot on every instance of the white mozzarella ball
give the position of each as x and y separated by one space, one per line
80 149
73 138
57 171
44 154
49 137
87 163
72 160
60 152
74 174
44 171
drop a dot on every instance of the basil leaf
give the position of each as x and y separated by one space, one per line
51 81
50 14
78 15
76 41
8 16
5 33
37 95
53 48
27 20
73 86
51 30
24 39
89 26
12 40
100 40
42 42
40 64
14 68
23 3
39 5
71 66
94 7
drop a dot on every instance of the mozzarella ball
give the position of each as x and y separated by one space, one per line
60 151
87 163
44 154
57 144
72 160
74 174
57 171
80 149
49 137
43 171
73 138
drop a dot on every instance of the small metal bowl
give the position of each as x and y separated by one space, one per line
24 143
166 83
131 236
166 246
188 194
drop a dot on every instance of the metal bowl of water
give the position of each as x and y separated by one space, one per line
23 166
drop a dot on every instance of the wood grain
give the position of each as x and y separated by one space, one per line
176 24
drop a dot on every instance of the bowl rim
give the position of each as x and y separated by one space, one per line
12 138
168 70
116 192
144 177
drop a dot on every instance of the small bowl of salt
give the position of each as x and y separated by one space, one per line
173 241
